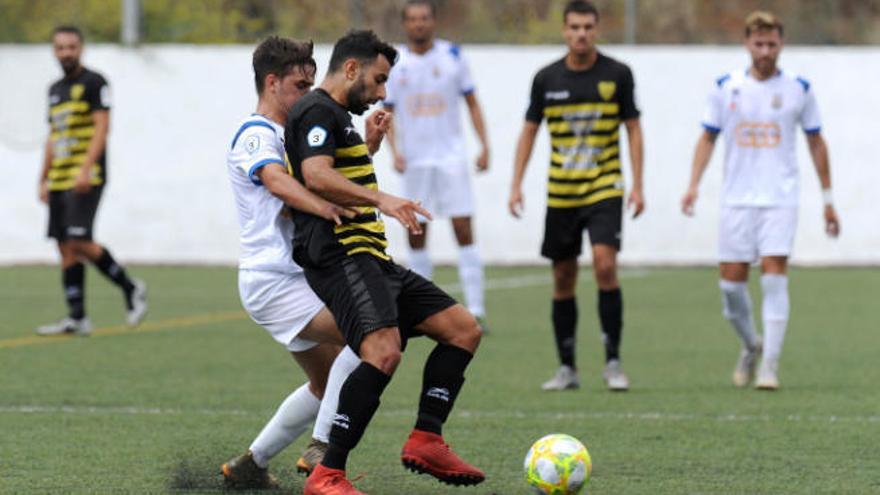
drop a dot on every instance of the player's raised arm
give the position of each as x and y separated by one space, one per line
819 153
524 146
702 154
284 187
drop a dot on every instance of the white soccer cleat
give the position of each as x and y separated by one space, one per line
67 326
138 304
744 373
614 376
767 379
565 378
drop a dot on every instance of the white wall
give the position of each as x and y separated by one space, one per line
176 107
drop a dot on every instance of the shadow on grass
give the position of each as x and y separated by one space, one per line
191 476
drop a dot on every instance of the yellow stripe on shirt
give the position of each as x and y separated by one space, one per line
593 198
352 151
596 125
583 173
560 110
581 188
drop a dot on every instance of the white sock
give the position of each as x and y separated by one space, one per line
420 262
470 273
738 310
291 419
775 311
344 364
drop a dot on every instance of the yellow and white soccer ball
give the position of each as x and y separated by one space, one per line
558 464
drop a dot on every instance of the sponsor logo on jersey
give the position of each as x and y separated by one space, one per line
76 91
438 393
607 89
557 95
758 134
425 104
316 136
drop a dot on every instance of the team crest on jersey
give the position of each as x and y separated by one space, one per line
252 144
607 89
76 91
776 103
316 136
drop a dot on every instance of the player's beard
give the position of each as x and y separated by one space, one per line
358 103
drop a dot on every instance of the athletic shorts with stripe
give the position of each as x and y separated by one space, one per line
365 294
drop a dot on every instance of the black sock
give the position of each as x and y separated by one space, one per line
441 382
611 317
565 315
115 273
358 401
73 279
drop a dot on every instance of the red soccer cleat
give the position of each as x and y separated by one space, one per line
426 452
326 481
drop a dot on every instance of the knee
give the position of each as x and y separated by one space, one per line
606 273
381 353
469 335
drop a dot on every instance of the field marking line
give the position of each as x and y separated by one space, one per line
515 282
146 327
464 414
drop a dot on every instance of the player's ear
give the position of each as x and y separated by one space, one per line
351 68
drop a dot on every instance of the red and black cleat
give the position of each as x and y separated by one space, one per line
426 452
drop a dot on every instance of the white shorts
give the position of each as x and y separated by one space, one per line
747 233
282 303
444 191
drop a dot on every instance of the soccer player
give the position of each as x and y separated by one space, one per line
424 91
272 286
377 303
584 97
758 110
72 180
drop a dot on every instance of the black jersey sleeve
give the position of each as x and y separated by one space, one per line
628 108
315 133
535 112
97 93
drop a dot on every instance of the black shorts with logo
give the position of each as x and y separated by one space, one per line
564 228
365 293
71 214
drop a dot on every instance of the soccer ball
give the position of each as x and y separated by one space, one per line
557 464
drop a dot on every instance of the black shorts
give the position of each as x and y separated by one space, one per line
564 228
365 293
72 214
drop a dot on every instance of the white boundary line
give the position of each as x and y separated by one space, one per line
463 414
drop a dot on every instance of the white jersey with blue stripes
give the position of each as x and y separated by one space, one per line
265 231
759 120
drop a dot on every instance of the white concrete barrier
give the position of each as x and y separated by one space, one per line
175 109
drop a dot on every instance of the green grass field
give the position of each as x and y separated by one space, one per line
158 409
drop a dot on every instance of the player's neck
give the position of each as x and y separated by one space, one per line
420 47
336 89
763 76
271 112
75 72
578 62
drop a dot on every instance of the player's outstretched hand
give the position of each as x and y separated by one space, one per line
377 125
636 202
516 203
483 160
832 224
404 210
688 201
336 213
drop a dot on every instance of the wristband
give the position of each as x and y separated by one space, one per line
827 197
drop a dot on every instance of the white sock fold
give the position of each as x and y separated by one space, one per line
738 310
290 420
775 310
420 262
344 364
470 273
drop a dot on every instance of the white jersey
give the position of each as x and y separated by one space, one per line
266 235
425 92
759 120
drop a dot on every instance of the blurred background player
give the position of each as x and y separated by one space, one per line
72 180
428 145
758 110
584 97
375 301
272 286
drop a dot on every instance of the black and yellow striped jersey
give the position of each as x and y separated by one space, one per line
319 126
71 103
584 110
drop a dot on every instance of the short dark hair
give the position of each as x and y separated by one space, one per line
761 20
277 55
360 44
410 3
69 29
580 7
